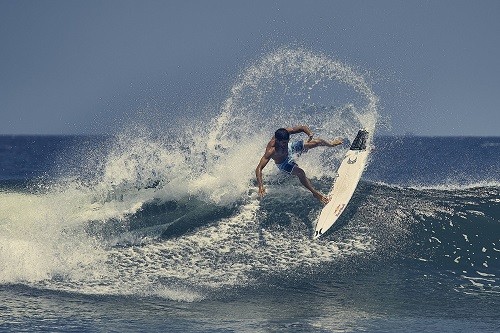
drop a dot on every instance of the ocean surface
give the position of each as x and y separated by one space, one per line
417 249
163 231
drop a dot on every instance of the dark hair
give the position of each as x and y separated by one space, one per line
282 134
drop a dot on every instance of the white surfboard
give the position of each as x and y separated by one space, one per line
349 173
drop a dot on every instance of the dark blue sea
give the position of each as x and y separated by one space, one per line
158 227
96 237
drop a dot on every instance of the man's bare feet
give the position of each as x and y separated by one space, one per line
336 142
323 199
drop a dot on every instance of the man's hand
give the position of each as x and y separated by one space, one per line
262 191
258 171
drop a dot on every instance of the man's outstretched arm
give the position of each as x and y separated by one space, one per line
258 173
300 129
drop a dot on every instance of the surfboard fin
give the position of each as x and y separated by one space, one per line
318 233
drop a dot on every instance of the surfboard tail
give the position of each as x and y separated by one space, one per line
317 233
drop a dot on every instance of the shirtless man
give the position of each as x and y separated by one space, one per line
280 150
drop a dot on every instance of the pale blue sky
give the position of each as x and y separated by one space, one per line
69 67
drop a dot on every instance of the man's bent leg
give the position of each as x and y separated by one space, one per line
321 142
307 184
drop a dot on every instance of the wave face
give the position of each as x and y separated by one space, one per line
177 215
188 250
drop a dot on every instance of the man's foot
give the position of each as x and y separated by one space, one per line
336 142
323 199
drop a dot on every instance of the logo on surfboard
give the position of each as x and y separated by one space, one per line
339 209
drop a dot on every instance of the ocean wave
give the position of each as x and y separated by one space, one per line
445 233
454 186
177 215
170 214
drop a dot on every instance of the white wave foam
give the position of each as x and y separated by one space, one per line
40 237
234 252
456 187
449 186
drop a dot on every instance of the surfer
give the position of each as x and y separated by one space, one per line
280 149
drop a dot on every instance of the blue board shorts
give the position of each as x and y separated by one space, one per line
296 147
